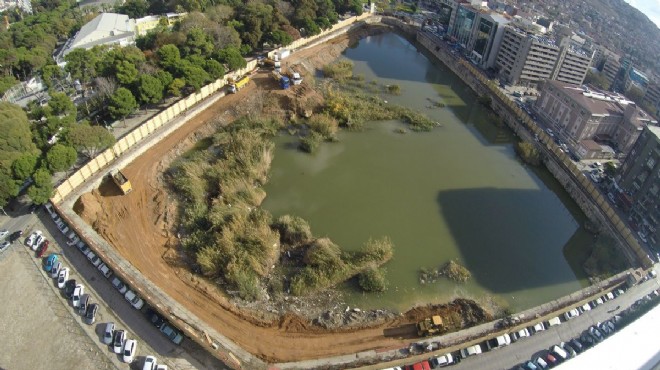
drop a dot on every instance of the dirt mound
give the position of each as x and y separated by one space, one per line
458 314
88 207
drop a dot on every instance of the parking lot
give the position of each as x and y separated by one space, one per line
41 329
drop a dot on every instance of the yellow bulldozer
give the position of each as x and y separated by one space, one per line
430 326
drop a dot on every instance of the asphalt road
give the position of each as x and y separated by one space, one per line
527 348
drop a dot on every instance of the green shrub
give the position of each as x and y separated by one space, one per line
394 89
528 153
293 230
373 280
311 142
454 271
342 69
325 125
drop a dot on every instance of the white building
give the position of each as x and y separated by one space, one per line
105 29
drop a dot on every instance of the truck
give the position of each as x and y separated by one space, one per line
430 326
121 181
268 62
294 77
282 54
284 81
234 86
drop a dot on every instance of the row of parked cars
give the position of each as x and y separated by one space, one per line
136 302
556 354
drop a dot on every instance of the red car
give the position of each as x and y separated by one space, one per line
424 365
42 248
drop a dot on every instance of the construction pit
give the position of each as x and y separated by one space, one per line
141 227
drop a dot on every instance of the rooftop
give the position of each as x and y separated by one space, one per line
595 102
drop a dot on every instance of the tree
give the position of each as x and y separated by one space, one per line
51 73
24 166
60 157
597 79
281 37
150 89
164 77
89 140
15 134
635 94
81 64
8 187
42 188
134 8
169 56
214 69
126 72
121 104
175 87
193 75
61 104
232 57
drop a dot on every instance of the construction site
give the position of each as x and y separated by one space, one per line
135 212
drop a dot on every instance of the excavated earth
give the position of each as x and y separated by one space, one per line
142 228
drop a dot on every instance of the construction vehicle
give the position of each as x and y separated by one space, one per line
234 86
267 62
121 181
430 326
284 81
294 77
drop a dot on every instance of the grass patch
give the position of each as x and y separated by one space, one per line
340 70
394 89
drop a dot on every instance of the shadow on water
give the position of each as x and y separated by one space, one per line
482 221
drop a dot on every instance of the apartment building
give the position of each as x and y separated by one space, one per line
652 95
487 38
640 181
611 68
526 59
594 124
572 64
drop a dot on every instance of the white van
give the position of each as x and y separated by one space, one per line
559 352
554 321
470 351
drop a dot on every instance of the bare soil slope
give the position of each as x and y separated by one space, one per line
140 226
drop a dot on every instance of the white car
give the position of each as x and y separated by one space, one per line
134 299
524 333
149 363
55 270
32 238
105 270
108 332
470 351
62 277
96 261
40 239
118 340
584 308
129 350
3 233
571 314
77 293
161 367
537 328
73 241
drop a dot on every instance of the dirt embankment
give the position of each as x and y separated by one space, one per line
141 226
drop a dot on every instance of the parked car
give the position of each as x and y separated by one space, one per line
469 351
501 341
3 233
440 361
577 346
41 250
540 362
128 352
29 241
50 261
118 340
134 299
596 302
77 293
606 328
571 314
596 334
537 328
105 270
149 363
176 337
84 250
55 270
584 308
119 285
155 318
523 333
4 245
90 314
82 306
423 365
551 359
529 365
37 243
161 367
15 235
559 353
568 349
69 287
108 332
62 277
96 261
587 340
553 322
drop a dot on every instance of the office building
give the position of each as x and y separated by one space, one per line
526 59
572 63
639 179
594 124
